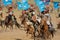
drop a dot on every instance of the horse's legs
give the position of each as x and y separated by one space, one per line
25 27
45 35
52 33
38 30
27 31
2 25
6 26
11 27
17 24
38 33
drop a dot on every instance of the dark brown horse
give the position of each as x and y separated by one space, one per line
45 29
9 22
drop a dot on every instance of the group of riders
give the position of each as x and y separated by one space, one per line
41 20
29 17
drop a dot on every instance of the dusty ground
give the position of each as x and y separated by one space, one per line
21 35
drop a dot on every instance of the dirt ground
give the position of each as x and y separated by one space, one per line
21 35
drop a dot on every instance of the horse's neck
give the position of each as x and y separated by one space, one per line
45 24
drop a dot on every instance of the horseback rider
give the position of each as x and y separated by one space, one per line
48 18
10 14
45 14
49 23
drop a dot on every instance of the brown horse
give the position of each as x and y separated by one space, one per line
23 21
30 30
8 23
45 31
26 25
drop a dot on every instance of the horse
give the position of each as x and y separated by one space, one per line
30 30
15 22
23 21
46 33
9 21
33 27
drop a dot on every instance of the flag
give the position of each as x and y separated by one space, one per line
19 5
40 4
7 2
25 5
56 5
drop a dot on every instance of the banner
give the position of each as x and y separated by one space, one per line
56 5
40 4
19 5
7 2
25 5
